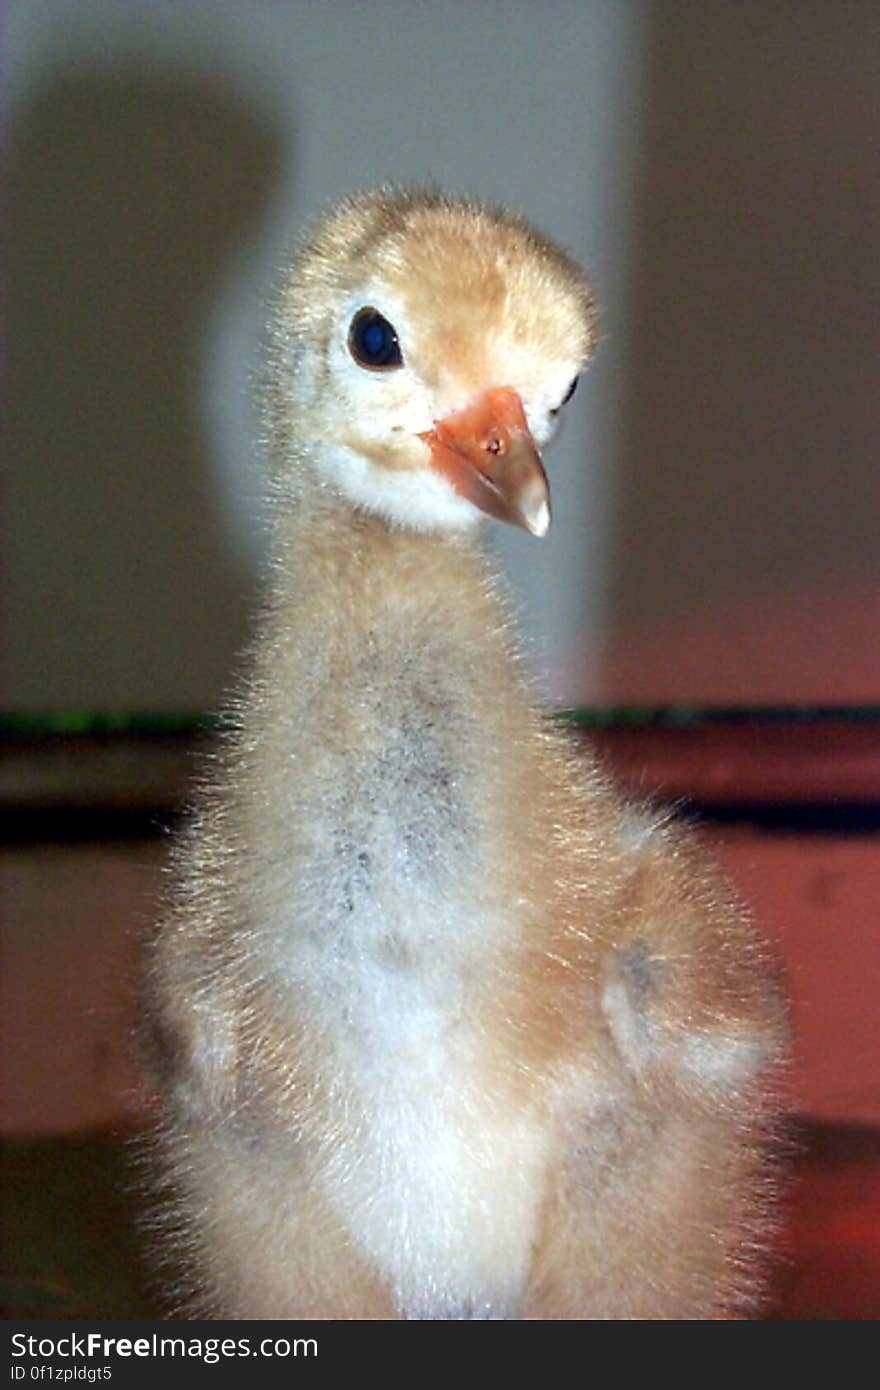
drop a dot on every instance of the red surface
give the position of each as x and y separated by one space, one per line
817 899
829 1253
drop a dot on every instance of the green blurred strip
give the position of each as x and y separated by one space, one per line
103 723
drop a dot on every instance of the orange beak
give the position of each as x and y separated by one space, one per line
489 456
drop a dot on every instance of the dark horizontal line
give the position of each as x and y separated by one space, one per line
789 817
686 716
71 824
75 825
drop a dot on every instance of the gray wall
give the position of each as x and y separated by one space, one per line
159 158
715 533
744 560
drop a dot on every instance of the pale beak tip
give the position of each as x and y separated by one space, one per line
539 521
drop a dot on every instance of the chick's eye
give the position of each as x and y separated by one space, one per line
372 341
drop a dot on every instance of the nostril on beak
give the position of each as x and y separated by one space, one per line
494 445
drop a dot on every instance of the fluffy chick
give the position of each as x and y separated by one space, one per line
442 1027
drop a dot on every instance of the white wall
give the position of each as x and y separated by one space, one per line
160 156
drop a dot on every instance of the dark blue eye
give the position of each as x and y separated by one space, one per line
372 341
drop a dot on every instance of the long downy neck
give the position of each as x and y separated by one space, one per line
340 571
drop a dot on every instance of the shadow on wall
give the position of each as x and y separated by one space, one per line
746 546
129 192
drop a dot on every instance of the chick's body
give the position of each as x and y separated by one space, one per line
442 1027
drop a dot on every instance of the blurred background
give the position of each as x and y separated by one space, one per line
716 491
716 166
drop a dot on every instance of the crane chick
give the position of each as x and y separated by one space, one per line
442 1027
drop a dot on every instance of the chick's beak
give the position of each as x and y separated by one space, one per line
489 456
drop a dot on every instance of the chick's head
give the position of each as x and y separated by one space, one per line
422 348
